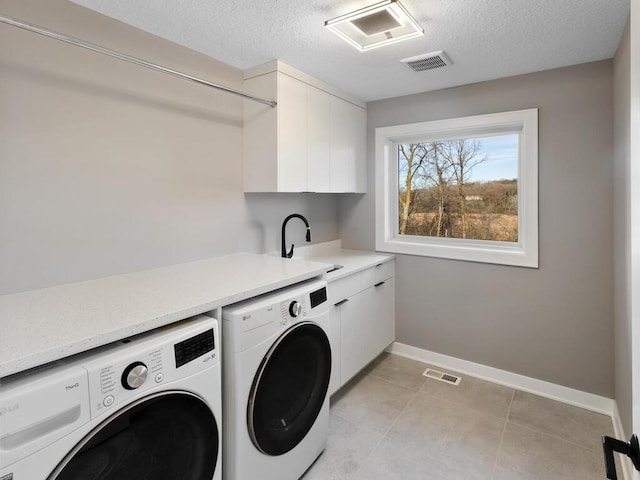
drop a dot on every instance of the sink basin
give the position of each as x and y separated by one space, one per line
335 267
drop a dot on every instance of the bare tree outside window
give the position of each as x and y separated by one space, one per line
460 188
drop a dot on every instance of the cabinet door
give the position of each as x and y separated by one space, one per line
354 332
359 127
334 340
260 137
367 325
347 148
381 309
292 134
319 139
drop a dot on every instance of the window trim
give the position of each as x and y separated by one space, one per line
524 253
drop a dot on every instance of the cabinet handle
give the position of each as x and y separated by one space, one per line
379 283
341 302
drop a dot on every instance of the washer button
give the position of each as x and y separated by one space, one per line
108 400
159 377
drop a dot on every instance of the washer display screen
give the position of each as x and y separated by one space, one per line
318 297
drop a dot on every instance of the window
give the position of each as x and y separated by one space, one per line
463 188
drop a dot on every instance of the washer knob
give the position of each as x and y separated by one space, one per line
295 309
134 375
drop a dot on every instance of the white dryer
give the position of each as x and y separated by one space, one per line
144 408
276 371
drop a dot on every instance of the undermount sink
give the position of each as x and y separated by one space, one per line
335 267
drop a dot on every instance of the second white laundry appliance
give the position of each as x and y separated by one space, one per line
276 372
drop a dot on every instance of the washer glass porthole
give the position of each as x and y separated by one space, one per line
289 389
166 435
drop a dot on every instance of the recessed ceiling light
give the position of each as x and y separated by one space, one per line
377 25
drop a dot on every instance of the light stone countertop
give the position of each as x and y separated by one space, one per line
41 326
332 252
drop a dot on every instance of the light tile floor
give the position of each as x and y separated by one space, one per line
390 422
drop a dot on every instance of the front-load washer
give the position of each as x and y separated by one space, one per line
276 371
144 408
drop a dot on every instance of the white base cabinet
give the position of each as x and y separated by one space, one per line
314 140
362 320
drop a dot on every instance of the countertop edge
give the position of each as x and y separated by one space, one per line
354 261
29 360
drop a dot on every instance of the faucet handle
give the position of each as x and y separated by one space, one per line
290 254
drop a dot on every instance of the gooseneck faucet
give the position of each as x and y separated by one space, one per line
284 228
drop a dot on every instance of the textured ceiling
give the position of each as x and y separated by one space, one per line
485 39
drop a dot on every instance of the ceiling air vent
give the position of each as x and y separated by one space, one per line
428 61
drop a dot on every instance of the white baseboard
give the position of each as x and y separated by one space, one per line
588 401
618 429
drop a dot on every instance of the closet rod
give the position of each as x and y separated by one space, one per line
127 58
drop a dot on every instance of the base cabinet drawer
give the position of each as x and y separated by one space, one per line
377 274
343 288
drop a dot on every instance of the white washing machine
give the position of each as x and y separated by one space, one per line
144 408
276 371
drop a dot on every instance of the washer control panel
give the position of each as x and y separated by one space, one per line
125 375
249 322
134 375
298 307
293 309
139 364
193 347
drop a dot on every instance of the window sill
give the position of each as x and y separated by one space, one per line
459 249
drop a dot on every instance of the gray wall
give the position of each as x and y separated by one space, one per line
553 323
107 167
621 231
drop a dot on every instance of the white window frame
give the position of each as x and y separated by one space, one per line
523 253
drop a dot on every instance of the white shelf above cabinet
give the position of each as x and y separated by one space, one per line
313 141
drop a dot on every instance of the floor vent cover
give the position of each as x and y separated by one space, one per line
443 377
427 61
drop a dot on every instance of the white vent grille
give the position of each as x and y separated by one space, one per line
427 61
443 377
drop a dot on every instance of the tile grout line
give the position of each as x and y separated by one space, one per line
531 429
413 397
465 406
384 435
507 420
461 405
404 409
504 429
422 390
551 435
363 428
390 382
513 396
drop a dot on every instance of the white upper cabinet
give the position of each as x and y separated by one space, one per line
319 144
313 141
293 135
348 147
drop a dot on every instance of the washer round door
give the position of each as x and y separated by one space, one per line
166 435
289 389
